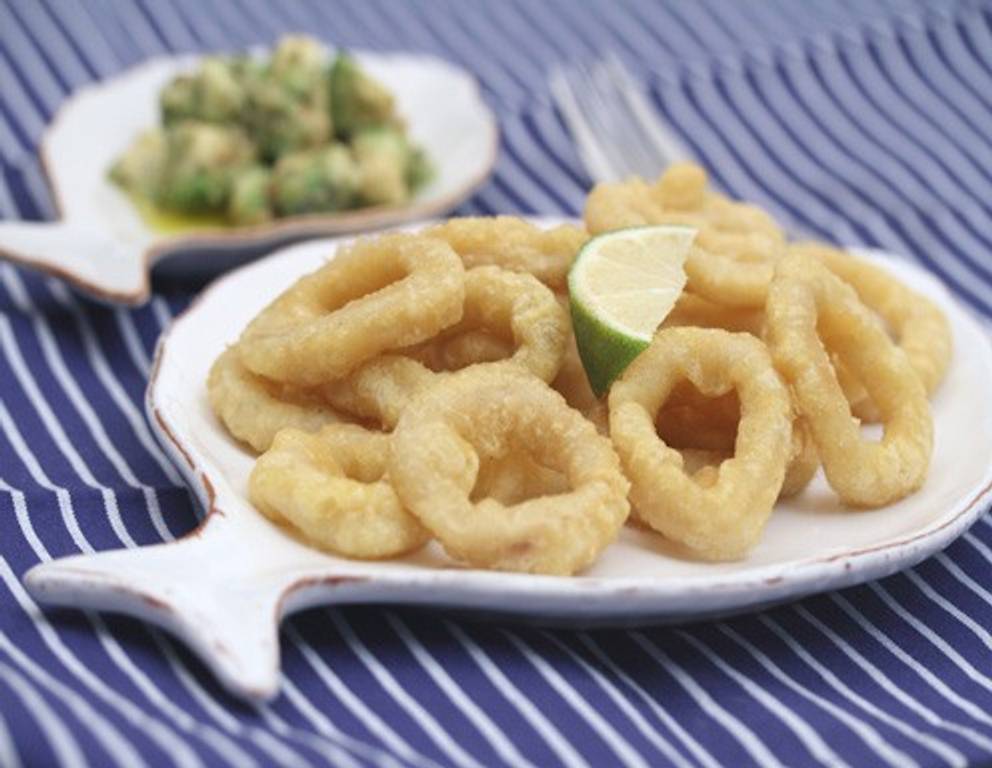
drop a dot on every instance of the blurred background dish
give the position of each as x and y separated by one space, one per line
105 245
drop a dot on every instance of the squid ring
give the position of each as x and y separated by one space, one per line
505 304
254 408
918 325
480 415
722 516
497 302
514 244
736 247
811 313
377 295
331 486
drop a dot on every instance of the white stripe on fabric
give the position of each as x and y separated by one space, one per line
913 94
835 84
75 27
847 152
741 733
19 103
26 59
57 735
613 738
869 735
119 749
66 507
930 67
222 745
971 537
283 755
488 49
176 34
960 194
12 149
54 429
960 61
491 732
885 682
809 738
692 745
8 749
168 740
428 723
132 341
7 208
161 311
62 497
34 26
618 699
354 703
37 186
834 113
16 360
865 81
527 709
494 79
961 577
319 745
938 642
337 739
935 745
114 387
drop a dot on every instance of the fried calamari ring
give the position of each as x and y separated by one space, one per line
484 414
381 389
254 409
804 462
812 313
695 425
693 310
918 325
721 519
510 305
514 244
376 295
332 487
497 302
572 382
460 350
736 247
690 419
516 477
729 280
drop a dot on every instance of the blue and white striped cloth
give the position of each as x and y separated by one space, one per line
862 122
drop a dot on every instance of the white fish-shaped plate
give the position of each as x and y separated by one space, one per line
104 248
225 587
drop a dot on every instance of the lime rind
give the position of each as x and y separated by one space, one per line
605 352
607 344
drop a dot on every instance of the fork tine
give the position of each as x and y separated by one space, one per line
635 149
594 158
667 146
600 116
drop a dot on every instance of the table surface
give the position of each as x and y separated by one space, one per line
859 122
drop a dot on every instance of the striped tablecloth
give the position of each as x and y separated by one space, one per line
863 122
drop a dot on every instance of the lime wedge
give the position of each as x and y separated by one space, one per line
622 285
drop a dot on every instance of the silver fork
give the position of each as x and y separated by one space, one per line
616 131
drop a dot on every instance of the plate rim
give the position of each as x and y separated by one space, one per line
644 598
305 226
